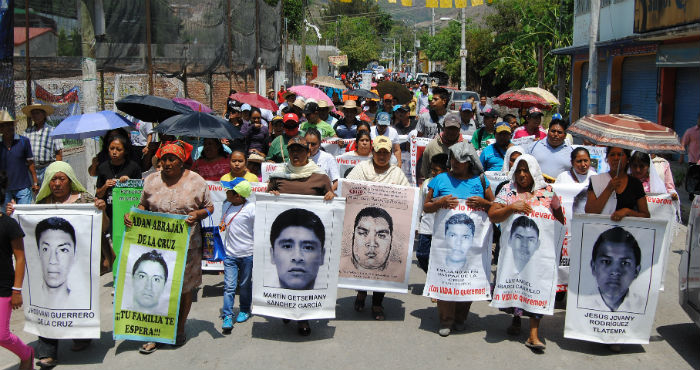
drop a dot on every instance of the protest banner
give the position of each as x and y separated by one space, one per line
124 196
378 234
218 197
525 142
267 168
295 262
460 255
573 198
330 145
418 145
598 154
347 162
615 278
495 178
662 207
150 276
338 60
366 82
527 265
61 290
689 267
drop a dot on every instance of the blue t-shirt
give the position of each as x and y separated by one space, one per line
444 184
14 162
492 158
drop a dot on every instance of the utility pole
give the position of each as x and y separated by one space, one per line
149 59
89 67
432 34
593 59
393 56
463 55
230 41
415 53
27 65
337 30
400 64
303 42
258 88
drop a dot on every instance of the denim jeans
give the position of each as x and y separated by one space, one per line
21 196
237 273
423 251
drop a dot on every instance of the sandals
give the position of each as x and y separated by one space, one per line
46 362
149 347
378 313
536 346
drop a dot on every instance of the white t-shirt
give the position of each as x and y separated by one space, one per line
140 132
328 164
238 240
390 132
426 219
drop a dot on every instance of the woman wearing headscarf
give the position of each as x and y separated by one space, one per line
444 191
525 190
377 169
300 176
61 186
641 167
177 190
511 155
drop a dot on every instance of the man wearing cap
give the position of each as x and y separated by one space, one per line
383 128
346 128
289 99
46 149
388 102
553 154
481 137
298 108
15 160
313 119
492 156
379 169
271 94
430 123
532 125
441 143
403 124
324 112
278 147
466 113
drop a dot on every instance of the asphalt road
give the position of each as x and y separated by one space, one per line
406 340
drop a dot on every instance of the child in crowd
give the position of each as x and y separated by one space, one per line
238 163
438 165
237 224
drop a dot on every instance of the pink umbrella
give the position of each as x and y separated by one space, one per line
195 105
310 92
255 100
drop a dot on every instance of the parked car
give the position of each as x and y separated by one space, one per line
689 268
422 77
458 97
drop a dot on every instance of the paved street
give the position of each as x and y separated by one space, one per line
407 339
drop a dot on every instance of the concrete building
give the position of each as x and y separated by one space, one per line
43 41
649 60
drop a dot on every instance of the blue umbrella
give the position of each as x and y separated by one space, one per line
89 125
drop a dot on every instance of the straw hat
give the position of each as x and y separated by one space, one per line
27 110
6 117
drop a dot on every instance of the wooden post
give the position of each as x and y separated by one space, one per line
149 57
27 68
230 41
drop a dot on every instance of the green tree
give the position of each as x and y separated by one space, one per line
293 11
69 45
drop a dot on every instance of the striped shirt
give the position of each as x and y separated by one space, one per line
43 146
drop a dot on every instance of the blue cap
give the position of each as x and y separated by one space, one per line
383 119
556 116
245 107
399 106
466 106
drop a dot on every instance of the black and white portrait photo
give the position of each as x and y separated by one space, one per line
615 263
297 250
459 236
371 239
524 241
148 280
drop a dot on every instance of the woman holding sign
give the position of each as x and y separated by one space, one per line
177 190
61 186
378 169
526 189
616 193
465 180
300 176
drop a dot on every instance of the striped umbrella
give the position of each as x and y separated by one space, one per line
522 99
628 132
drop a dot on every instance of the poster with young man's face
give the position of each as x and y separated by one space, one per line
615 277
295 262
378 236
527 264
460 255
61 284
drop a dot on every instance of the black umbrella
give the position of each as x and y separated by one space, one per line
442 77
151 108
398 91
198 124
362 93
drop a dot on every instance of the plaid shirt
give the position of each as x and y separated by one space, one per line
43 146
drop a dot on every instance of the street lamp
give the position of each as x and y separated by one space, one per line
462 52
